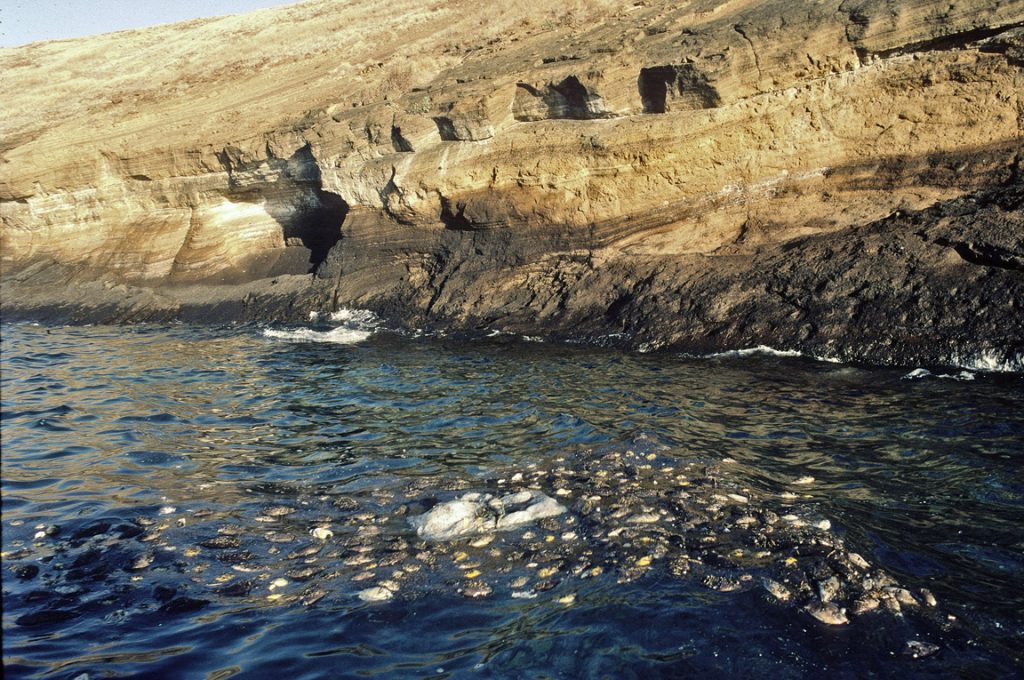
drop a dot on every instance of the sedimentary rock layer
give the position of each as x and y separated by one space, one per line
838 177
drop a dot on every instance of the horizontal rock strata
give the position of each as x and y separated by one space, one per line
841 177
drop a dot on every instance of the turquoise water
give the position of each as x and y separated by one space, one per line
139 448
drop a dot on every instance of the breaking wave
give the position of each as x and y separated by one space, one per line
919 373
765 350
990 361
353 326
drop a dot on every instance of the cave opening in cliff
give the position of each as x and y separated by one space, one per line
575 96
654 85
676 87
318 228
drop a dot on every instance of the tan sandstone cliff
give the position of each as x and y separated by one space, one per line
637 168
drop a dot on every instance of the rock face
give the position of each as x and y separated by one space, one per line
841 177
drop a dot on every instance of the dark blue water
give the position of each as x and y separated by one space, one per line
136 448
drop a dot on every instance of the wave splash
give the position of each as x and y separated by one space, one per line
765 350
990 361
919 373
353 326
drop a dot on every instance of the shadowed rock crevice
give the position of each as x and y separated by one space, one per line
568 98
400 143
676 87
985 254
952 41
454 216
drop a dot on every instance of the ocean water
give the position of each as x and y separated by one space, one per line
162 488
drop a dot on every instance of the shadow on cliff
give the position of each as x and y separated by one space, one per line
291 192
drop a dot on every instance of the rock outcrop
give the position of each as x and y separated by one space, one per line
840 177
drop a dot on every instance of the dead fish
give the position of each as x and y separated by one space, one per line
827 612
305 551
313 596
375 594
279 537
865 604
476 589
776 590
904 596
828 589
919 650
304 573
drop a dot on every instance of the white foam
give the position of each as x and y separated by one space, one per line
340 335
359 318
354 325
760 349
989 361
919 373
765 350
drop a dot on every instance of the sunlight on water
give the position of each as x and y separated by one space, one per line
200 502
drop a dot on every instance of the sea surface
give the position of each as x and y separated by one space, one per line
201 502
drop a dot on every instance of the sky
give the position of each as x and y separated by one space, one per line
25 21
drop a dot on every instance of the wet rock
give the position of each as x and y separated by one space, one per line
91 530
344 503
162 593
45 617
240 588
184 605
220 542
26 572
125 531
238 557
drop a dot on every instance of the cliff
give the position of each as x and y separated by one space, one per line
840 177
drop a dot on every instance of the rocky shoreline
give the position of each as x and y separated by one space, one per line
940 286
